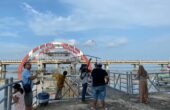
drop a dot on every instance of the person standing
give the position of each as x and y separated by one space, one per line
99 80
18 97
60 78
27 78
143 89
84 77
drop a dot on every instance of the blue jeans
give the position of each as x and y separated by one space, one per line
84 91
99 92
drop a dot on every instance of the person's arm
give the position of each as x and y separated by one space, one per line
15 98
38 82
106 78
32 77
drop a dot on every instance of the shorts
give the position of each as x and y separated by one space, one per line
28 97
99 92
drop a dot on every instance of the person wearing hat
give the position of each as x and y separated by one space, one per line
99 80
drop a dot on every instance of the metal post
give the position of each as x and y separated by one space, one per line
78 91
75 69
36 95
127 79
10 94
109 77
114 79
6 94
1 69
157 77
120 83
131 83
4 71
44 67
129 90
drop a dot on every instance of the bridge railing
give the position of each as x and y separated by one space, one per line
128 83
6 102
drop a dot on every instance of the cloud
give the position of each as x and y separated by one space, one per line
117 42
69 41
115 13
9 34
89 43
9 22
44 24
28 8
9 27
16 50
100 14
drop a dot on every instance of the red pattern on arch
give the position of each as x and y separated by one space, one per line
47 47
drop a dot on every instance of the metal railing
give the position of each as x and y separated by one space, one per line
71 90
7 99
128 83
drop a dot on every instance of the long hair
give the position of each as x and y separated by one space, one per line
18 88
142 71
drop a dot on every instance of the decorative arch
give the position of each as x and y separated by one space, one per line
37 51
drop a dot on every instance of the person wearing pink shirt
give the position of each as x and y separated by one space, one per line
18 97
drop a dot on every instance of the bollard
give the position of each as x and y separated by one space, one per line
10 94
6 95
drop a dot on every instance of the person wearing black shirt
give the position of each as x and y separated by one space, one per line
99 80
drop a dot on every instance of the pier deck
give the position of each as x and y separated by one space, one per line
116 100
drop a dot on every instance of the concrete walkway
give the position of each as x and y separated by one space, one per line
115 100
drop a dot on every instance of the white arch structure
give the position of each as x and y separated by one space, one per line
37 51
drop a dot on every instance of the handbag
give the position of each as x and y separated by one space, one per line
27 87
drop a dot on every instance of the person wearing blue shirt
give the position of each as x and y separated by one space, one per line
27 78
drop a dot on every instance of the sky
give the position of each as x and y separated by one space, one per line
109 29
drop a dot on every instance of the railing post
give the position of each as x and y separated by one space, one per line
120 83
127 79
129 87
157 77
131 83
78 90
114 79
10 94
6 95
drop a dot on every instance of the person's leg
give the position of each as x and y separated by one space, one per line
57 93
60 94
140 91
84 91
94 104
146 93
102 95
103 104
95 96
28 97
28 108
